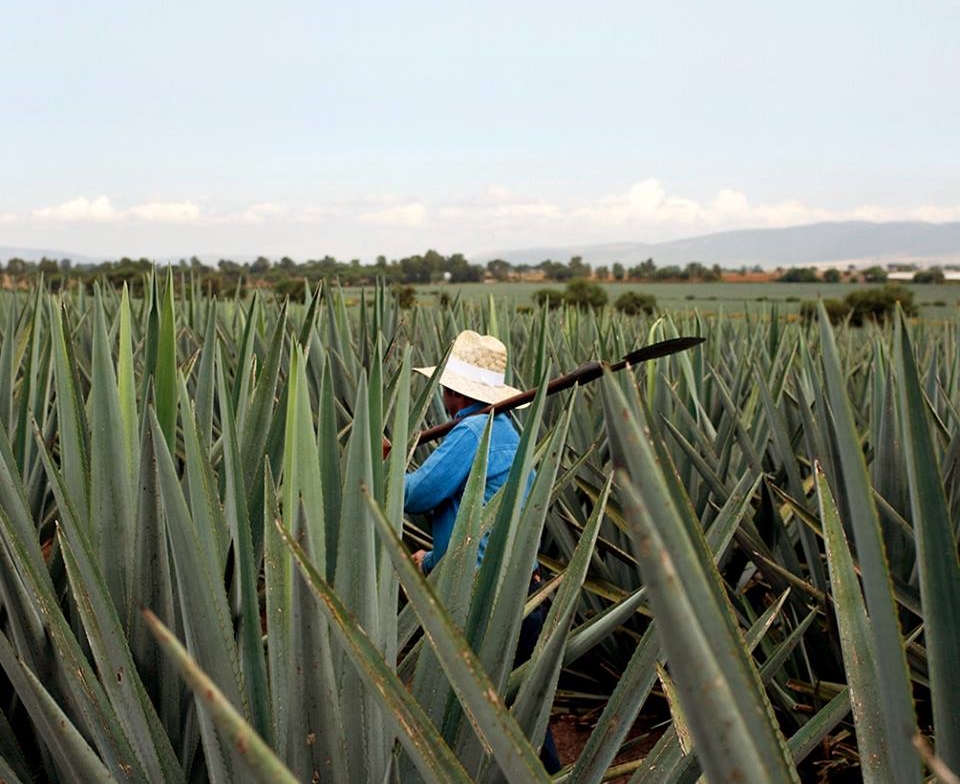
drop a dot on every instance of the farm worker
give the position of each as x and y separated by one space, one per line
472 378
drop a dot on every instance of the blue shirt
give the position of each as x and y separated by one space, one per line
438 485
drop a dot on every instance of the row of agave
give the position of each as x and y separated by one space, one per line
204 575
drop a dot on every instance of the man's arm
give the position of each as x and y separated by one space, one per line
442 474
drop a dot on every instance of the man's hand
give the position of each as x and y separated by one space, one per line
418 557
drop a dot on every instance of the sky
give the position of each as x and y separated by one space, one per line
158 129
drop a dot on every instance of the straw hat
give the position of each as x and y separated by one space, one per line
475 368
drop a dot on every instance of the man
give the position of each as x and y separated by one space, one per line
472 379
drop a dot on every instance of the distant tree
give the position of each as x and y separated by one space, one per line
577 267
875 274
584 295
405 295
673 272
799 275
837 310
832 275
619 273
879 304
633 303
932 275
260 266
49 267
602 273
499 269
644 269
461 271
551 298
555 270
294 287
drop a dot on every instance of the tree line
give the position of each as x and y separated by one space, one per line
290 277
429 267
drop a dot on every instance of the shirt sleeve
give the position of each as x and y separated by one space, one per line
442 474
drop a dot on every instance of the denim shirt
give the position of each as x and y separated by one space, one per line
437 486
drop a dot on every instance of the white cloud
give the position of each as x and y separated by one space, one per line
97 210
645 203
166 212
263 211
410 215
491 215
648 206
936 214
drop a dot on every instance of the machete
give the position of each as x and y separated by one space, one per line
584 374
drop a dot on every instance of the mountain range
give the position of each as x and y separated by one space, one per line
852 242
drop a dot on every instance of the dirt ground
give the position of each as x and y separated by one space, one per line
571 734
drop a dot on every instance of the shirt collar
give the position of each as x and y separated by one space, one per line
465 412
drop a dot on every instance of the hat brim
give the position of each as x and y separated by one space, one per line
472 389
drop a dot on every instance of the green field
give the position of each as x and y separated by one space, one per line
933 301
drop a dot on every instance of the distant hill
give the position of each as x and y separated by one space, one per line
36 254
853 242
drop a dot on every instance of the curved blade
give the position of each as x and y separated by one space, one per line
661 349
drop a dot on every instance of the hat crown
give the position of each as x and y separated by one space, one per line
476 367
481 351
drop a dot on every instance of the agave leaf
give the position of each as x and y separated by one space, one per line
667 764
328 444
356 584
71 423
8 365
811 734
393 505
633 688
247 744
245 361
238 517
730 718
7 774
487 713
206 380
165 380
30 382
111 501
434 760
126 385
780 654
309 730
535 698
511 556
493 625
153 589
256 418
107 640
937 563
203 602
454 581
74 757
68 670
210 525
859 654
860 512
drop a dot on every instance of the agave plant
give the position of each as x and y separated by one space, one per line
205 576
